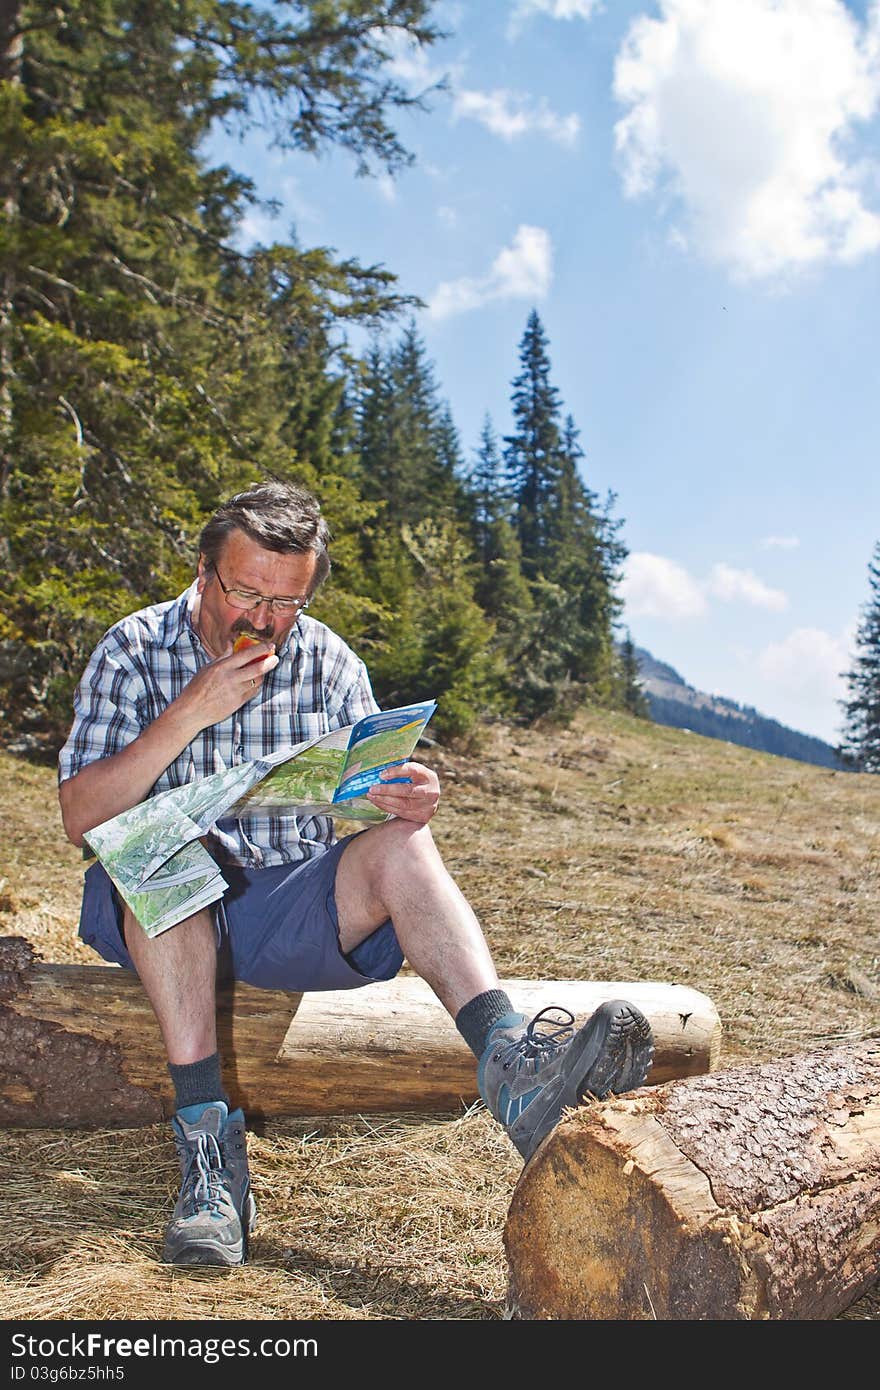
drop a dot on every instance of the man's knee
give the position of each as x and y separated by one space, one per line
407 841
397 848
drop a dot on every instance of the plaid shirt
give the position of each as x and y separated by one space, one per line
143 662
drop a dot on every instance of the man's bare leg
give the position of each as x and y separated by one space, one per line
215 1212
178 970
395 870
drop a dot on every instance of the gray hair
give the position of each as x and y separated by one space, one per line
278 516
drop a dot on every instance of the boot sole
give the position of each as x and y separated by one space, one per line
610 1054
212 1252
615 1053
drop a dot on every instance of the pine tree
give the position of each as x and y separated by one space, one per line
571 550
861 740
501 589
451 469
486 484
371 398
631 694
587 565
461 665
532 452
409 450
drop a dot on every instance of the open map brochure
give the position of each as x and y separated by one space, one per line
154 854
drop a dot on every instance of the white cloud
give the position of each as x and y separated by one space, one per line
780 542
809 657
524 10
258 227
655 587
742 111
448 216
804 676
731 585
511 114
408 60
523 270
386 187
796 680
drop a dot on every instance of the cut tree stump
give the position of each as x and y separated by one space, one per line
752 1193
79 1045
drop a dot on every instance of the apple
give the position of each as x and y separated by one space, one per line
244 639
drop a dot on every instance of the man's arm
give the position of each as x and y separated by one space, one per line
113 783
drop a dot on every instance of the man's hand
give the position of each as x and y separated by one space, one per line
221 688
416 801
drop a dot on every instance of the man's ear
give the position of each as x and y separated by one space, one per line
203 574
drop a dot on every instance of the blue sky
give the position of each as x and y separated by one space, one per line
688 191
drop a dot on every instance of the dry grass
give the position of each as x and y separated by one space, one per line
613 850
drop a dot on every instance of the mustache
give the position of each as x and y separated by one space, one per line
264 633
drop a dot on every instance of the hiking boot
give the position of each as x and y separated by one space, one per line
527 1077
215 1212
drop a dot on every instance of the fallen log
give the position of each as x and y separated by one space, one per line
750 1194
79 1045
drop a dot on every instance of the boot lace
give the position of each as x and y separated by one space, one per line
206 1188
537 1047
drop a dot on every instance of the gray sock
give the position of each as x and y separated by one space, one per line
480 1015
195 1083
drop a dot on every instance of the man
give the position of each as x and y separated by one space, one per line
166 699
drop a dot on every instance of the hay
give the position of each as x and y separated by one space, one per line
358 1218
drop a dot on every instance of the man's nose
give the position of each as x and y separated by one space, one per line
262 612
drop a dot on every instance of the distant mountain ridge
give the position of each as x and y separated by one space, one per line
672 701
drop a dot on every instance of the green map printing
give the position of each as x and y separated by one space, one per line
309 778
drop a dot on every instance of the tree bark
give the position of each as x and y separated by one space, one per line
753 1193
79 1045
11 49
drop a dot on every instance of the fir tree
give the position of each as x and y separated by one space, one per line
631 694
461 665
371 396
861 740
451 468
501 589
418 556
409 450
571 551
532 452
486 485
587 565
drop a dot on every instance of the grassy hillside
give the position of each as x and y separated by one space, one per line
611 850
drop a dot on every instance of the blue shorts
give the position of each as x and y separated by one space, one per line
277 928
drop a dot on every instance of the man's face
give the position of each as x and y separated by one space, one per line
243 564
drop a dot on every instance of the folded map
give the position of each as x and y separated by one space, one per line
154 852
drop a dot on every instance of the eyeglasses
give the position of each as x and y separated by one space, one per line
246 599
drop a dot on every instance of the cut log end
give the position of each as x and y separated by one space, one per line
66 1078
590 1235
745 1195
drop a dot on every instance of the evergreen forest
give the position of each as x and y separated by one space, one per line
149 367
